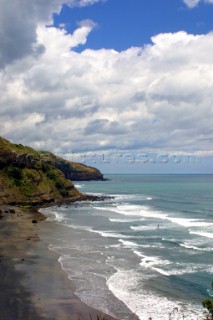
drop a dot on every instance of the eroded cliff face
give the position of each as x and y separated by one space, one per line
27 178
72 170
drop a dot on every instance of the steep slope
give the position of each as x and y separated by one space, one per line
27 178
72 170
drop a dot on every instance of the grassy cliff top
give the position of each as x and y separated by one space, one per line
26 178
6 145
68 165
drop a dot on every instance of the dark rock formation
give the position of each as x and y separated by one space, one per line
72 170
83 174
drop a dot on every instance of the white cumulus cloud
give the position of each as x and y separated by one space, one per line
194 3
156 98
18 25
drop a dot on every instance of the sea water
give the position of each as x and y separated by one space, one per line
147 251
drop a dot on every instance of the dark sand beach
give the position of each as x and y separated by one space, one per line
33 285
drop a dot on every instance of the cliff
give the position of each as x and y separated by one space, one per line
27 178
72 170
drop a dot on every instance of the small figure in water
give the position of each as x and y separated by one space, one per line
158 226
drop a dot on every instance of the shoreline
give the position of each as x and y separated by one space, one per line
53 202
33 284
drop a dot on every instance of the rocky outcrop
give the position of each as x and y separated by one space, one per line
83 175
72 170
81 172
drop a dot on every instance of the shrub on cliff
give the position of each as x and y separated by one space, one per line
14 174
208 304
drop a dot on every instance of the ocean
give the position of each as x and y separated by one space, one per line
147 251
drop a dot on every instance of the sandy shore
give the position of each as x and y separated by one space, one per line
33 285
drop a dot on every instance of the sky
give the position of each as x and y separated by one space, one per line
123 85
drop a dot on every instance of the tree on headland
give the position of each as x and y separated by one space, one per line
208 304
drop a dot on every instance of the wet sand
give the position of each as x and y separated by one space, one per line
33 285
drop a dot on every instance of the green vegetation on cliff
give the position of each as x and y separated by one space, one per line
73 170
27 178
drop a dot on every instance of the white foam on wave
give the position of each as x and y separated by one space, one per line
125 220
79 186
109 234
176 271
135 210
52 214
148 212
97 194
129 244
133 245
202 234
161 266
129 197
103 233
151 262
188 268
156 245
127 286
143 228
190 222
198 244
189 246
